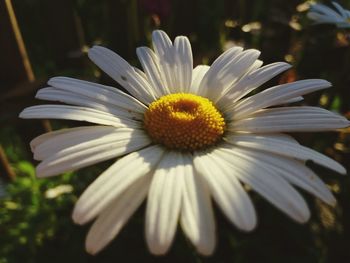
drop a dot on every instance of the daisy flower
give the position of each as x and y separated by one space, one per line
323 14
183 137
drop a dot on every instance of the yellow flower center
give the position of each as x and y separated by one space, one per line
184 122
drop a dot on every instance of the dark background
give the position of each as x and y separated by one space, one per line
36 227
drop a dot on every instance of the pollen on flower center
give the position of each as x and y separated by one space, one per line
184 122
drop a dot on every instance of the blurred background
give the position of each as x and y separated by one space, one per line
40 39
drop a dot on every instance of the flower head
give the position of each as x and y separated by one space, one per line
323 14
183 138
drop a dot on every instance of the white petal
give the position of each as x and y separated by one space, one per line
73 140
251 82
343 24
347 13
144 77
161 43
88 153
150 64
197 76
275 189
257 64
164 203
323 9
227 191
323 14
285 148
293 171
293 100
114 181
175 61
53 94
102 93
123 73
212 78
114 217
163 48
184 63
76 113
225 71
197 218
340 9
49 135
321 18
276 95
290 119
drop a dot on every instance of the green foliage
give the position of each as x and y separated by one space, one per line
28 219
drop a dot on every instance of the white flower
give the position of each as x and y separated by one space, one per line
185 136
323 14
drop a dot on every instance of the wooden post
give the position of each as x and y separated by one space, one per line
15 66
5 167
